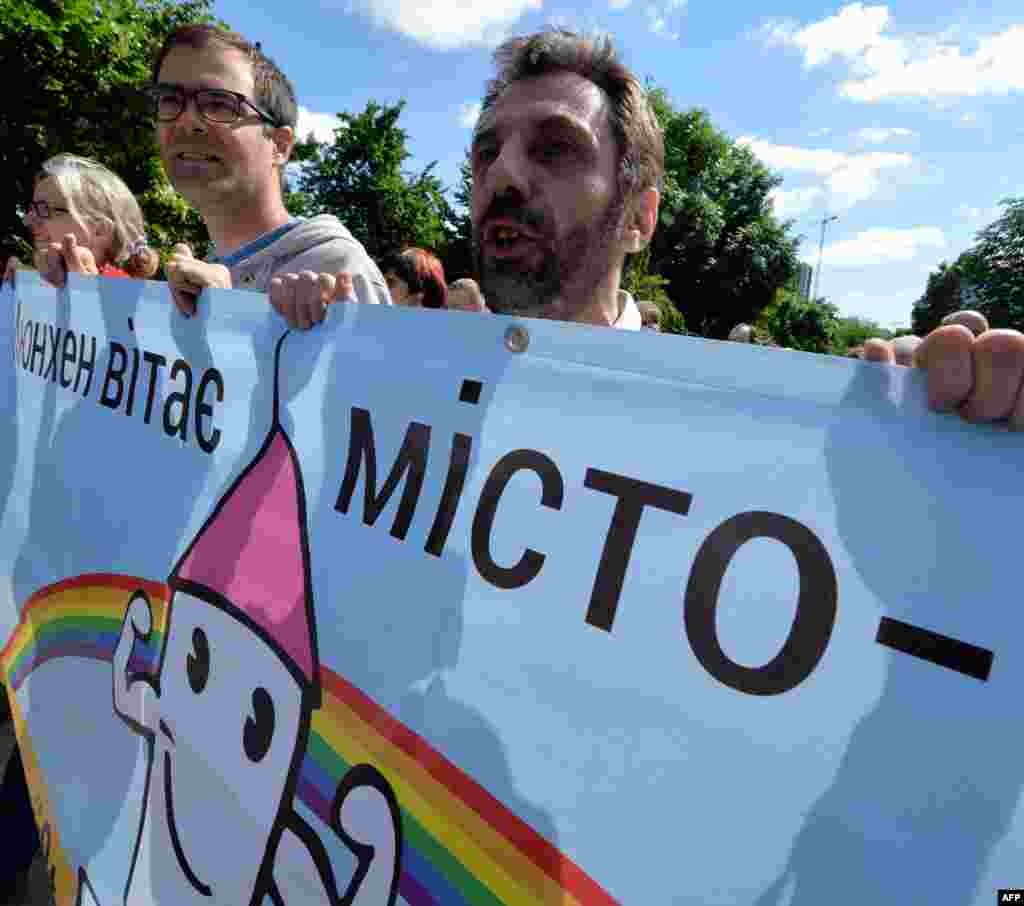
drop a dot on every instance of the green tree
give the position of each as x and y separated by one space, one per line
942 296
718 242
644 284
359 178
298 202
77 65
852 331
457 256
988 277
994 267
797 323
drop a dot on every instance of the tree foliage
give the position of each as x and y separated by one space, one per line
798 323
988 277
645 284
942 296
77 65
457 255
995 266
718 242
851 331
359 178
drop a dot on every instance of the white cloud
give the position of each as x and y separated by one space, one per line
658 16
879 136
469 113
445 24
879 245
618 4
322 125
657 21
851 32
977 215
848 178
969 119
791 203
885 66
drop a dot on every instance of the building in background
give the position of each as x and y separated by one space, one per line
804 275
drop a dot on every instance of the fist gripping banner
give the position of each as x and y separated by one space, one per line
426 607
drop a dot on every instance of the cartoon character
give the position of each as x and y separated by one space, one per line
227 718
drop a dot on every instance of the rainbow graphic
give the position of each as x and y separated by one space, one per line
462 846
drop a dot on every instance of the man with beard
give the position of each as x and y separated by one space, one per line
226 118
567 160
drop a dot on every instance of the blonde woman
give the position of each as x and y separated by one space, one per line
84 219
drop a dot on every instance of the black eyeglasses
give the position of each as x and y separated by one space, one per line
215 105
44 211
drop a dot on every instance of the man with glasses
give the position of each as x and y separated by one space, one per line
226 117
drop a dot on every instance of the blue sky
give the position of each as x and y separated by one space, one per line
905 122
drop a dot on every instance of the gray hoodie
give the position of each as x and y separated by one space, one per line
321 244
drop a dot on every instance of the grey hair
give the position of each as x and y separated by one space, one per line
98 195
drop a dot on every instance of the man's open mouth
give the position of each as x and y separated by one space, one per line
506 241
175 839
196 156
504 237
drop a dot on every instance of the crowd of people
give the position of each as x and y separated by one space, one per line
567 162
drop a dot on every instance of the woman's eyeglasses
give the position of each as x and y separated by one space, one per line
45 211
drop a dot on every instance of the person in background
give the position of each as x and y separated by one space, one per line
465 295
415 278
225 124
974 321
84 219
904 348
650 315
742 333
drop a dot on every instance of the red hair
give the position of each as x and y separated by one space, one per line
422 272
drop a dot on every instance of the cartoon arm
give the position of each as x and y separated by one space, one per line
135 696
367 819
86 895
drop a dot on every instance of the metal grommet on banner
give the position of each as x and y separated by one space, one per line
516 338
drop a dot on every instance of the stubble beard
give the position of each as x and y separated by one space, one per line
564 282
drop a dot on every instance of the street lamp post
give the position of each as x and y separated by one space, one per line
821 247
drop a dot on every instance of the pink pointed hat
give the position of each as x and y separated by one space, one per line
253 556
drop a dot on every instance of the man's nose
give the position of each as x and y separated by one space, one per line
510 171
189 120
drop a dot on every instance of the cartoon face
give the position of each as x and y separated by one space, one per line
229 724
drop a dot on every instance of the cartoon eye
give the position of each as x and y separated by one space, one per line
198 665
259 729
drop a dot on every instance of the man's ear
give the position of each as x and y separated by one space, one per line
641 220
283 138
